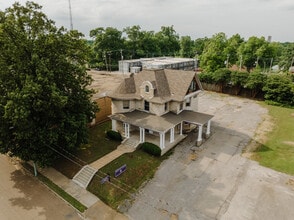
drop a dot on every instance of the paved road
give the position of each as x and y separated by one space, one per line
217 182
25 198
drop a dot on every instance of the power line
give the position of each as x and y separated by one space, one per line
131 195
65 156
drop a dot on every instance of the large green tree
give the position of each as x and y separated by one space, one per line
107 47
257 52
187 47
213 56
168 41
134 41
44 100
231 49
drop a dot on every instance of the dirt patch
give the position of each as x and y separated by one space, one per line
105 82
290 183
192 157
292 114
260 137
291 143
174 217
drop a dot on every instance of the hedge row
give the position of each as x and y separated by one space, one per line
277 88
114 135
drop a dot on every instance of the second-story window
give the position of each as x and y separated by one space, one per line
146 106
165 106
181 106
146 88
126 104
188 102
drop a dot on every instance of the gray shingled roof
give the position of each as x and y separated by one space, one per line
169 85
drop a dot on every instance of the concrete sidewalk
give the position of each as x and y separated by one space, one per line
96 208
98 164
80 194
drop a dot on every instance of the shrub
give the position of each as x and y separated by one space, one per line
151 149
279 89
206 77
114 135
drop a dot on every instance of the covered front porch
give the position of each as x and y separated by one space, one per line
165 131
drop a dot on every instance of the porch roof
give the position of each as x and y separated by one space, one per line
161 123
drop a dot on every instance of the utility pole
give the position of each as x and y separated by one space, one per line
121 54
70 15
240 68
196 64
105 57
272 59
109 53
227 62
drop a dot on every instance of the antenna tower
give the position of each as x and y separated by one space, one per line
70 15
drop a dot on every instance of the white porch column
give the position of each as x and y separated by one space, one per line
113 124
142 135
181 129
127 130
172 135
208 129
199 139
162 140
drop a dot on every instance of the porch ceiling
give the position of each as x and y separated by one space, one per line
161 123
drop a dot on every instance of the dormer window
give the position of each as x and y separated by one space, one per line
147 90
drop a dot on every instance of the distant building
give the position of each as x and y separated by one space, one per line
137 65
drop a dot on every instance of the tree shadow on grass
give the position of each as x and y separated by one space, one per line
262 148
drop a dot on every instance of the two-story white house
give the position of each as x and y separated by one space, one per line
157 105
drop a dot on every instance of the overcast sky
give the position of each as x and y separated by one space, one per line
196 18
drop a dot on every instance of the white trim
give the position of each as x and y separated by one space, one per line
208 128
113 124
142 135
199 139
162 140
172 135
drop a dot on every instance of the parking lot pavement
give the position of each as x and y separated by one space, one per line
215 181
23 197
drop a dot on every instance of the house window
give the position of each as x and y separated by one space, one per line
126 104
146 88
188 102
181 106
193 86
146 106
165 106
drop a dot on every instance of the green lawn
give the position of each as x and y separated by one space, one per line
278 151
140 168
97 147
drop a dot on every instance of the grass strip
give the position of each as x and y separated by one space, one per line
141 167
278 150
71 200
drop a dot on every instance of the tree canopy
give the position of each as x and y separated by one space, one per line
44 100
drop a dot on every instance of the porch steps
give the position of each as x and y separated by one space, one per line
84 176
129 143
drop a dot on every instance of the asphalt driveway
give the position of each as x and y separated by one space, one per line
215 181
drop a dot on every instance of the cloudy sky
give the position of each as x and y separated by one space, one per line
196 18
